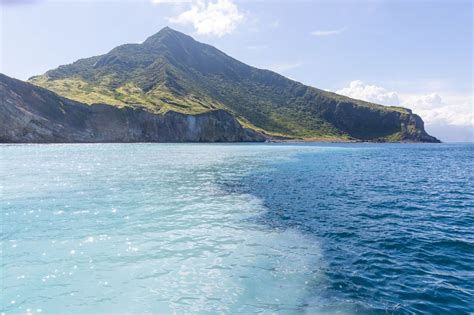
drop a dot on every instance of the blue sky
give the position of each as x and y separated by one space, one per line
416 54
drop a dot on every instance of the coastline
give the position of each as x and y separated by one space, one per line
276 141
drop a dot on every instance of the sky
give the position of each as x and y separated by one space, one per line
416 54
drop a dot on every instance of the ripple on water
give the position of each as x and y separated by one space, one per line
149 231
145 228
395 235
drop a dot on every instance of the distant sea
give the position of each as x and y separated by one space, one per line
241 228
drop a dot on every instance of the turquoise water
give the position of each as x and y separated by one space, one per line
202 228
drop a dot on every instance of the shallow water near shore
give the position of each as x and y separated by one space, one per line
244 228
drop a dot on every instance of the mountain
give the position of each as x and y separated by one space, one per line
30 114
170 71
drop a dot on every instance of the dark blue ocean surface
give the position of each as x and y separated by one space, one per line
237 229
395 223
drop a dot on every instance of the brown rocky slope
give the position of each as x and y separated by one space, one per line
30 114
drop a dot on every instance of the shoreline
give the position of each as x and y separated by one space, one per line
268 141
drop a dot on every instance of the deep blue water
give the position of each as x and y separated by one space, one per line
197 228
395 222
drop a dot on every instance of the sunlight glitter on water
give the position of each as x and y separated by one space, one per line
167 228
145 229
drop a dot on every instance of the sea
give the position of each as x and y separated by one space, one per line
277 228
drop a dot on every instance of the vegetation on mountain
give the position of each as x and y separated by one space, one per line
31 114
170 71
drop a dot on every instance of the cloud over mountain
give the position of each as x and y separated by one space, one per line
210 18
323 33
371 93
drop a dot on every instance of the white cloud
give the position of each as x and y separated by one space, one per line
211 18
428 101
170 1
282 67
440 110
322 33
257 47
455 110
371 93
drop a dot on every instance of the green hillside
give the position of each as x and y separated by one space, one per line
170 71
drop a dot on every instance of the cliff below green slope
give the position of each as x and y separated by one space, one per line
30 114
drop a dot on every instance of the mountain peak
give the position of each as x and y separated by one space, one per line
167 29
165 34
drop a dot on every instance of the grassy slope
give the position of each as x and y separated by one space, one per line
171 71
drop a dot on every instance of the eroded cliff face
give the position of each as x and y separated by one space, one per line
30 114
375 124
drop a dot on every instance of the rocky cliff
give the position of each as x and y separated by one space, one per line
375 124
30 114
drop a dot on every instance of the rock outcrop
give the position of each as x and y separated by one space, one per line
30 114
375 123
